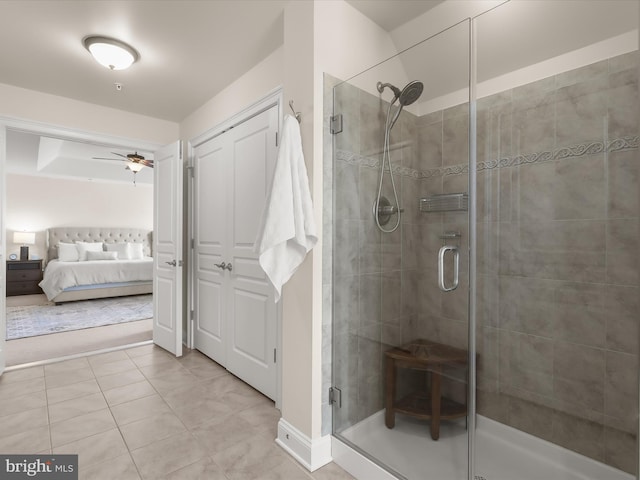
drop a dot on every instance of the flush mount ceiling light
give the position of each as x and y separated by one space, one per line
111 53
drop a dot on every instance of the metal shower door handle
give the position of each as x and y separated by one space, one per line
456 267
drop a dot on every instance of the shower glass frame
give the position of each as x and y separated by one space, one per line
360 164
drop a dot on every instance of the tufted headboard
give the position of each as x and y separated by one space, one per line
96 234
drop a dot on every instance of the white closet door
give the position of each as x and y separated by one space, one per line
210 220
252 311
235 313
167 248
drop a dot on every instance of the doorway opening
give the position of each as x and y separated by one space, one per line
82 185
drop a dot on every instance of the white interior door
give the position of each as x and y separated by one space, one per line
235 313
252 311
210 220
167 248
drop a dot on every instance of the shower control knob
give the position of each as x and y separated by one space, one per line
389 210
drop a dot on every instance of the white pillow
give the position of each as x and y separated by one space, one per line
102 255
121 248
67 252
84 247
136 251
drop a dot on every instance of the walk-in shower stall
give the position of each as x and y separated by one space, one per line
484 276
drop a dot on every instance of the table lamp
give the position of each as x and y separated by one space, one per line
24 239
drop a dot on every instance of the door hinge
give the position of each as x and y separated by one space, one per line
336 124
193 243
193 314
191 170
276 139
274 356
335 396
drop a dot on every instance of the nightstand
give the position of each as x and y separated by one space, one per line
23 277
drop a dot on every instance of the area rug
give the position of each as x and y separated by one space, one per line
30 321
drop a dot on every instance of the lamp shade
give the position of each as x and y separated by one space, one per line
135 167
24 238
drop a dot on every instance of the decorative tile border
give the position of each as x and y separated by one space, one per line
617 145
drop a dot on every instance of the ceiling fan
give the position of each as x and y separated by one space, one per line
135 162
129 157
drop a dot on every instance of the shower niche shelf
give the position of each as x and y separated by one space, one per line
445 202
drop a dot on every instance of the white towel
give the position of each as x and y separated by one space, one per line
288 231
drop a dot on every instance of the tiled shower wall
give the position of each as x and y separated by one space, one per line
557 242
558 273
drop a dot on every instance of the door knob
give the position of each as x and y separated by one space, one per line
224 266
172 263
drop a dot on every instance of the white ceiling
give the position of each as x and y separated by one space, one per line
390 15
189 52
29 154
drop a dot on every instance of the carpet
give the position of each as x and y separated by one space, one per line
31 321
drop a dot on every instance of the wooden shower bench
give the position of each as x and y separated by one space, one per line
430 357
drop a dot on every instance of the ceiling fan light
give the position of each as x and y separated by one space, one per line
111 53
135 167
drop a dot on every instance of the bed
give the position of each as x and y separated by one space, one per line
99 273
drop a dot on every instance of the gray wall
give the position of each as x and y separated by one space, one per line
558 233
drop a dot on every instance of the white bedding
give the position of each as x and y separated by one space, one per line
61 275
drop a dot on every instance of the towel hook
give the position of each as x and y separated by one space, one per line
295 114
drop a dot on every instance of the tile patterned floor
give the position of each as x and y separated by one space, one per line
143 414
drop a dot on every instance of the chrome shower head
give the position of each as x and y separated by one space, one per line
410 93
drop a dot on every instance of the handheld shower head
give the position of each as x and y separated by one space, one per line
411 93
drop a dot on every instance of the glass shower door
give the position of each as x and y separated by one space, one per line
400 280
557 282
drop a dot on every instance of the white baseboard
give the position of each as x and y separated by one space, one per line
311 453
